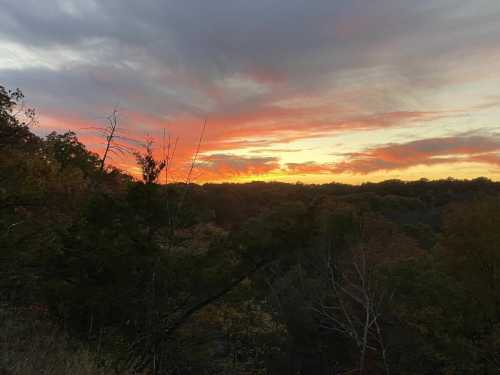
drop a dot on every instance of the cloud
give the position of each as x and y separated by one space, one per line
270 126
484 149
309 167
265 74
431 151
228 166
198 52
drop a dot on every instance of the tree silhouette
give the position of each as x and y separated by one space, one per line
151 168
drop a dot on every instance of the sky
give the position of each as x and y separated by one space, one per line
313 90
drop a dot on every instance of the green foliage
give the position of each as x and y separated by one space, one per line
448 302
471 245
13 132
274 232
68 152
431 310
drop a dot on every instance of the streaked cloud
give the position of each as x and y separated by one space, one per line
309 167
227 166
431 151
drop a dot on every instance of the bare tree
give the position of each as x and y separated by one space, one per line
109 131
351 304
115 142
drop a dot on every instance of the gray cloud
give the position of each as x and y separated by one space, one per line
171 58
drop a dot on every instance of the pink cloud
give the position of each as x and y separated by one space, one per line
429 151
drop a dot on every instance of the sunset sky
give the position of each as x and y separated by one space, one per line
312 90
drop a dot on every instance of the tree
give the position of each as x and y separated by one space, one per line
352 304
109 134
151 168
13 132
68 151
471 245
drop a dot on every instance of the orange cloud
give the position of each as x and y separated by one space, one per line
227 166
308 168
429 151
262 131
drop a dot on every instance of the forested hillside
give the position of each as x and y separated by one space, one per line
257 278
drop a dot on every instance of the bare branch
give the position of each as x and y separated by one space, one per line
112 124
195 156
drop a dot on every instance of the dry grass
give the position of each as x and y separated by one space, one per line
31 344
